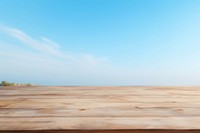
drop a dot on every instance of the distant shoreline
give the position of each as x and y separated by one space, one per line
6 83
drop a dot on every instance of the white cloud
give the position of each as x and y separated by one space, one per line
51 48
43 61
50 42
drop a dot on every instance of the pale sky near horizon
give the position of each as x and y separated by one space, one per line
100 42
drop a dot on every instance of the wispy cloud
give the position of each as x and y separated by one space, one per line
47 46
42 61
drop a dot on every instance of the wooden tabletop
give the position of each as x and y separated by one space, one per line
99 108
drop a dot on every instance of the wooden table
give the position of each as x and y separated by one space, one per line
57 109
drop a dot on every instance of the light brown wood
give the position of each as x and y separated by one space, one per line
99 108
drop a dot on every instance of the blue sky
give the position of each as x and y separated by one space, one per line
100 42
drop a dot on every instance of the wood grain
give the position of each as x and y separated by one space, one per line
74 109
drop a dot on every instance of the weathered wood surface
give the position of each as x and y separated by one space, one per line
99 108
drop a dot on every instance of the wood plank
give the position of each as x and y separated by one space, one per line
125 111
84 123
104 131
97 90
61 103
25 103
131 91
